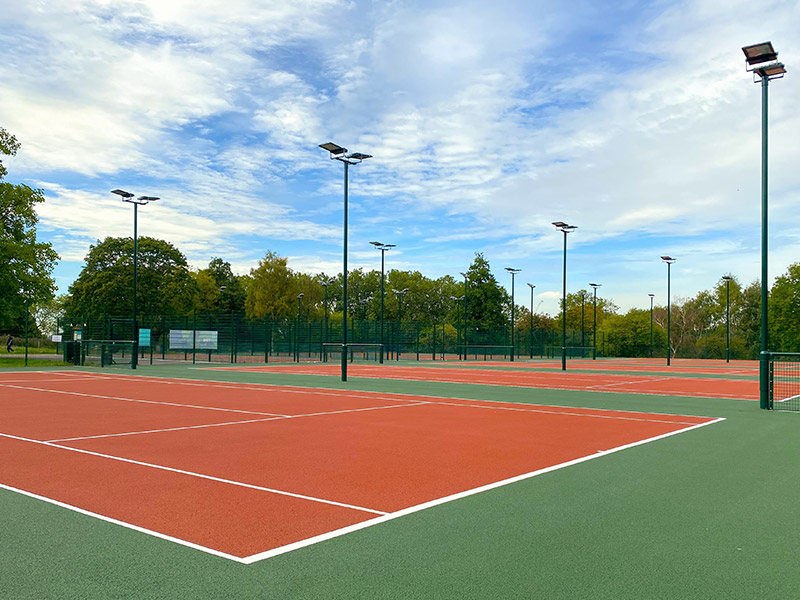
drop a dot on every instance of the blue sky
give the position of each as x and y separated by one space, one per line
635 121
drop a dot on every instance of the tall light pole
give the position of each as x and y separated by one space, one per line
400 295
297 328
27 313
530 285
383 248
563 227
466 277
140 201
583 321
513 273
338 153
762 61
651 323
325 283
594 326
727 279
669 260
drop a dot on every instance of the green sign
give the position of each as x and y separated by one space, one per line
144 337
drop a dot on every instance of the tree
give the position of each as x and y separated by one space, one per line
784 311
219 289
272 290
26 265
486 300
105 284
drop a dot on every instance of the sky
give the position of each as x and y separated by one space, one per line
635 121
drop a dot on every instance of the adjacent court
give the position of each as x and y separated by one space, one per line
249 471
600 382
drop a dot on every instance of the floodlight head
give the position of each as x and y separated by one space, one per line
561 226
773 71
652 295
376 243
530 285
222 288
146 199
464 275
668 259
596 285
512 270
334 149
122 193
359 156
726 277
759 53
300 295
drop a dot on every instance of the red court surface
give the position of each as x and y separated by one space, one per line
567 380
247 471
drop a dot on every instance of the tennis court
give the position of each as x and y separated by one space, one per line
717 387
300 465
280 482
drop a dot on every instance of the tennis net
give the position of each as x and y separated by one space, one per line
784 382
106 353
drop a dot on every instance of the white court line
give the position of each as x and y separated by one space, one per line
193 474
345 530
163 536
279 418
412 509
506 405
102 397
629 382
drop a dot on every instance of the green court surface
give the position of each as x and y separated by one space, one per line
705 514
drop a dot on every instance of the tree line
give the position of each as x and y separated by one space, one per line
167 285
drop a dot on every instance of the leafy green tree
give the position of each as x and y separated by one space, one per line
105 285
486 300
26 265
273 290
784 311
219 289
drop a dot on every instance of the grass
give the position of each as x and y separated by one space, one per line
706 514
18 360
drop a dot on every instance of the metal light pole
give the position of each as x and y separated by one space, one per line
466 276
762 61
383 248
583 321
594 326
27 312
561 226
297 329
513 273
140 201
669 260
338 153
400 294
651 323
727 279
530 285
325 283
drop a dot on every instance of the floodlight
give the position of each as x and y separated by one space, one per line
668 259
759 53
775 71
359 156
596 285
530 285
335 149
122 193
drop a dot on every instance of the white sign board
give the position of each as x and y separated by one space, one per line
56 337
181 339
186 339
206 340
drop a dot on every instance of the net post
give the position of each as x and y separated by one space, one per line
764 380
